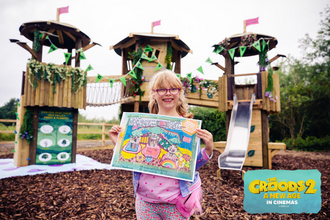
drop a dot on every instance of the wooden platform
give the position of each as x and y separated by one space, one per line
273 148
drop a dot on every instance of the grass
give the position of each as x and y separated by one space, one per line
7 137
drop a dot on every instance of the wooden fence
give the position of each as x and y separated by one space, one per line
103 132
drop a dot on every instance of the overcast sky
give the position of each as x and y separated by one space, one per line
200 24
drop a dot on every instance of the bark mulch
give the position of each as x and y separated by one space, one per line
104 194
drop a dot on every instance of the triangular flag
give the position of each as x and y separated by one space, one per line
52 48
111 81
232 53
208 60
40 35
200 69
89 68
144 56
178 75
123 80
47 38
148 49
257 45
82 56
152 58
189 76
139 65
159 66
242 50
80 50
98 78
132 73
263 44
219 49
67 57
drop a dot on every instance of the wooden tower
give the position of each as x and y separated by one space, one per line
161 44
49 100
260 151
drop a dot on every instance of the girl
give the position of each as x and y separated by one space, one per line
160 197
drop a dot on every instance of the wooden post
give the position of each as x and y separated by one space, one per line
265 137
103 134
136 106
33 145
74 135
58 14
244 26
78 46
152 27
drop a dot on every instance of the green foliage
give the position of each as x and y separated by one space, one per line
4 136
305 93
8 110
311 143
26 130
213 121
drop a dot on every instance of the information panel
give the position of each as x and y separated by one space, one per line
54 142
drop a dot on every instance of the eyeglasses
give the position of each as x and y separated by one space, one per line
162 92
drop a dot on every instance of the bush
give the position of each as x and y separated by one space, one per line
5 136
309 144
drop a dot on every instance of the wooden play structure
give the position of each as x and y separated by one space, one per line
59 97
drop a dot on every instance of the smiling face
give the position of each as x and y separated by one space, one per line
167 103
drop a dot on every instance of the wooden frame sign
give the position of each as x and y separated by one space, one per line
156 144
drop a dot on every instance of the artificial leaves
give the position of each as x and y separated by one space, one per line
56 74
26 130
191 85
168 58
36 41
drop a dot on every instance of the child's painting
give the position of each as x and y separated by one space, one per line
156 144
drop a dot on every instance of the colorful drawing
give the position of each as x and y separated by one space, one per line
161 145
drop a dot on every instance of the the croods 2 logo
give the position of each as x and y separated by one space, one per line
282 191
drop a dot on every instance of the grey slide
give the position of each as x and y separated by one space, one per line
238 137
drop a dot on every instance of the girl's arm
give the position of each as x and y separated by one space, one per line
113 133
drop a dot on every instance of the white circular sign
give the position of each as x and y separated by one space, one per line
64 129
46 129
63 142
46 143
44 157
63 156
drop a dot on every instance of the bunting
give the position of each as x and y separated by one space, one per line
257 45
159 66
263 44
242 50
98 78
200 69
111 81
144 56
209 60
231 53
67 57
148 49
189 77
132 73
219 50
139 65
89 68
123 80
152 58
52 48
82 56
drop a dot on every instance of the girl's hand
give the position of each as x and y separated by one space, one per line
113 133
207 138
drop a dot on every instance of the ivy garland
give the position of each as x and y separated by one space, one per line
55 74
26 130
168 58
36 41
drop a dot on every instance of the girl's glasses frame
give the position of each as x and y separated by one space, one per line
162 92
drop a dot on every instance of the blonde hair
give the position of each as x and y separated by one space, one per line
161 80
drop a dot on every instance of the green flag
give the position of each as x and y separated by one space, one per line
153 57
132 73
139 65
232 53
200 69
123 80
47 38
111 81
208 60
178 75
67 57
159 66
263 44
52 48
189 77
257 45
89 68
148 49
242 50
98 78
219 49
82 56
144 56
80 50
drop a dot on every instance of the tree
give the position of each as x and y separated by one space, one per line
305 89
8 110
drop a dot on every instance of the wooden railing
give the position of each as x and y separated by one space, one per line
103 132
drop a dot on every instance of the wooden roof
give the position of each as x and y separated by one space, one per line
235 41
131 39
62 35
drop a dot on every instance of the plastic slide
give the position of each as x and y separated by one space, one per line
238 137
